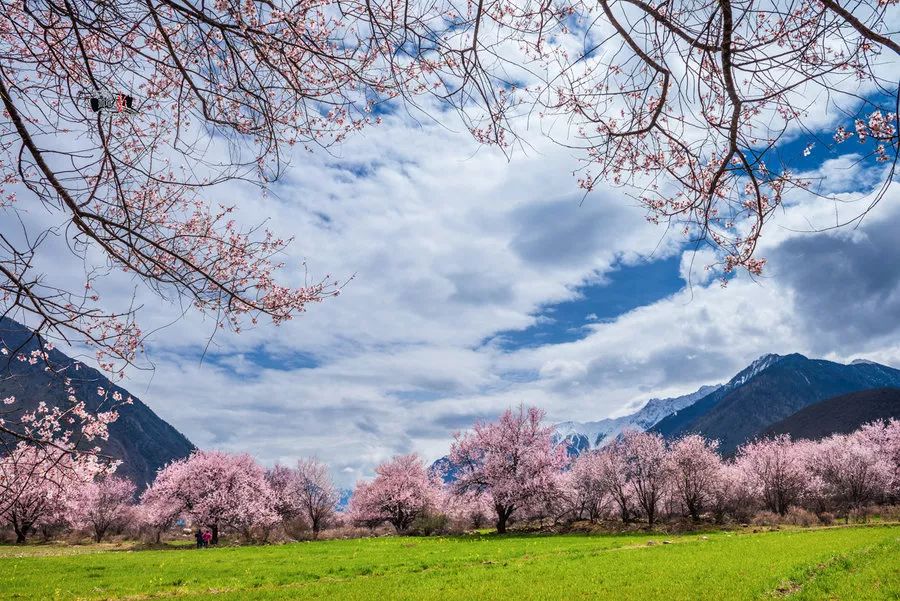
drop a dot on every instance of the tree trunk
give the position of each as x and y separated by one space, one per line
501 524
21 530
502 518
215 534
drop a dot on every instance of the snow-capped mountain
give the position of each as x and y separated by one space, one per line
585 435
770 389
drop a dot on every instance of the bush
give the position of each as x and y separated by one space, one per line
859 515
797 516
765 518
826 517
429 524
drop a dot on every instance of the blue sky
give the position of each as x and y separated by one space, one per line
627 286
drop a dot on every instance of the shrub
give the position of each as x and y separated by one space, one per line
797 516
429 524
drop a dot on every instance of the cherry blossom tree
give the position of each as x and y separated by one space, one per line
155 514
467 510
612 474
513 460
76 426
35 488
306 491
695 465
401 491
729 493
102 504
851 471
213 489
647 470
281 479
689 104
775 469
884 438
587 485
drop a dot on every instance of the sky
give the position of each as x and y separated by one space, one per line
475 281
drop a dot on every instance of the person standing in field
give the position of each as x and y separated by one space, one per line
198 535
207 536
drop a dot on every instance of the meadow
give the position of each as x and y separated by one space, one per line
850 562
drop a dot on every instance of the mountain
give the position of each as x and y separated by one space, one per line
840 414
769 390
142 440
444 469
580 436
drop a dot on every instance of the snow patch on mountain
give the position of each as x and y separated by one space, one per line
584 435
761 364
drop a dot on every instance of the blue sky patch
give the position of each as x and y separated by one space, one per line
626 288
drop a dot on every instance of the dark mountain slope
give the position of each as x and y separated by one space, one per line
840 415
142 440
753 401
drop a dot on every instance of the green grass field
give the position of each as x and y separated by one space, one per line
826 563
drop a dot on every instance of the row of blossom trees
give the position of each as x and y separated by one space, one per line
210 488
511 469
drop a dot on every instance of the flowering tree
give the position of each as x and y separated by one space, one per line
154 513
695 467
851 470
588 486
647 469
102 504
729 493
884 438
401 491
305 491
69 431
775 469
215 489
513 460
612 475
35 488
467 510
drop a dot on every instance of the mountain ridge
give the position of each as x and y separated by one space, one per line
839 415
771 388
740 412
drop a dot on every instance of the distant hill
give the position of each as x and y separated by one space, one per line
840 415
142 440
771 389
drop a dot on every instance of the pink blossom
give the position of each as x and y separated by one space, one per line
513 461
401 491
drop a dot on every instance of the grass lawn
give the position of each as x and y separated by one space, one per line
826 563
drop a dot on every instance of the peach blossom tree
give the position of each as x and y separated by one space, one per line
401 491
513 461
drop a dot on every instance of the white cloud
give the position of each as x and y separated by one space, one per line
450 244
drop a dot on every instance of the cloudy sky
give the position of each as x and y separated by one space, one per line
477 282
